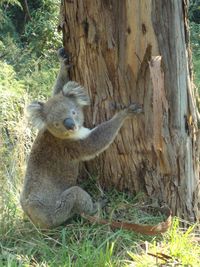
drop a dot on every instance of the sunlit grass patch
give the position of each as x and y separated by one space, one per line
178 247
82 244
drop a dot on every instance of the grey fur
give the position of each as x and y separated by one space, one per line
50 195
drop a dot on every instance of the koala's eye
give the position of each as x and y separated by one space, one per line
74 112
56 124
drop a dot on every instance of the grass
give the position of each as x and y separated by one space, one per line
78 244
81 244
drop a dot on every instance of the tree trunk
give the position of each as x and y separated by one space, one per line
135 50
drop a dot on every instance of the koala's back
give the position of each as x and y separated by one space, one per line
51 168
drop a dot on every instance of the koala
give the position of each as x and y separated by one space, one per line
50 194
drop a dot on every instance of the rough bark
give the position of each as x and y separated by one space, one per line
136 50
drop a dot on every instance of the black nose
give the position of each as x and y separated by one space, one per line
69 124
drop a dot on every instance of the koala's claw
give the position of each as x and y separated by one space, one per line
135 108
103 202
61 53
117 106
132 108
100 204
65 57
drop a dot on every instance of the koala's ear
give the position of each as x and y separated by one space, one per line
73 89
36 114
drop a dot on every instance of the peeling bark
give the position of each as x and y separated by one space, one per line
136 50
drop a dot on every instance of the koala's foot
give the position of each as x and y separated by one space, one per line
99 205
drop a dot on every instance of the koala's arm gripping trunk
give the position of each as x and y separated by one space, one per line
100 137
62 79
63 75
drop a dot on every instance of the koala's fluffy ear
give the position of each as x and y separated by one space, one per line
36 114
73 89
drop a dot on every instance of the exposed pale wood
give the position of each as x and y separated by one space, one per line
135 50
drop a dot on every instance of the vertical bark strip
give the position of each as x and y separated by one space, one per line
136 50
173 48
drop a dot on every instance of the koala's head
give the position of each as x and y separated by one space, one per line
62 114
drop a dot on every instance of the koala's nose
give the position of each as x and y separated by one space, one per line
69 124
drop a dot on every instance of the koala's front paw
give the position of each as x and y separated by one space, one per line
134 108
64 57
117 106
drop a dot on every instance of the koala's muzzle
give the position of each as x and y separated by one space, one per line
69 124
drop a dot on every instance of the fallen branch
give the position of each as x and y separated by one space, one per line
159 228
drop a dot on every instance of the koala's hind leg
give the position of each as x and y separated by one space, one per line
72 201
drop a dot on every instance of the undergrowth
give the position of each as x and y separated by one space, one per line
81 244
